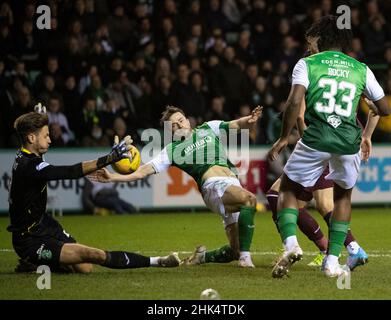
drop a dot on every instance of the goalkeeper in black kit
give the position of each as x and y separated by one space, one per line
39 239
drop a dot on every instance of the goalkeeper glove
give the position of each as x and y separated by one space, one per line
120 150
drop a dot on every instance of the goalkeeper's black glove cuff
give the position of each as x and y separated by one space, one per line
104 161
117 153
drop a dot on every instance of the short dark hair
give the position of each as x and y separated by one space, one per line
170 110
29 123
330 36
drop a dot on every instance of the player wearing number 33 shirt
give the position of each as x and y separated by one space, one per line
331 83
334 83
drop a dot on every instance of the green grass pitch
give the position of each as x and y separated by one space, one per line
158 234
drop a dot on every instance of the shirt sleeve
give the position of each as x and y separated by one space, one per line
300 74
40 169
373 90
217 125
161 162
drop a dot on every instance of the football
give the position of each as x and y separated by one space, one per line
128 165
210 294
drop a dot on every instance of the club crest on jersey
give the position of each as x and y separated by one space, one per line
334 121
202 133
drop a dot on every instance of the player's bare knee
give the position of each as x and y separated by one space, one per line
84 254
251 200
92 255
96 255
248 199
84 268
323 208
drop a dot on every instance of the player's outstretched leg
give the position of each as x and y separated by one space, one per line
200 255
129 260
76 254
243 205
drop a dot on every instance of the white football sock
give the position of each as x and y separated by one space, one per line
154 261
202 260
353 247
245 254
290 242
333 260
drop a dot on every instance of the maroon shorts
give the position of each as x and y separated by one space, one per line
322 183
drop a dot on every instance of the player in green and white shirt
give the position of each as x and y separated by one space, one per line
200 153
332 84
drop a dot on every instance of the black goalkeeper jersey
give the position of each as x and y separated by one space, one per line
28 192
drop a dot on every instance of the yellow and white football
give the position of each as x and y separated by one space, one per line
128 165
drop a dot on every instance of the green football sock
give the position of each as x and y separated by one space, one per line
287 222
220 255
337 235
246 227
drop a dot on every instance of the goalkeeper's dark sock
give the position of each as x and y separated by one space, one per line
246 227
337 235
125 260
221 255
287 221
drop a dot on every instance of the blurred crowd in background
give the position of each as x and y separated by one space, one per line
111 67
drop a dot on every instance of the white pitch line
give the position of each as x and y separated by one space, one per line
373 254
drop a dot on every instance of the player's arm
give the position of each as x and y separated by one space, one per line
372 121
366 141
300 83
47 172
292 110
247 122
158 164
381 107
104 175
300 123
374 92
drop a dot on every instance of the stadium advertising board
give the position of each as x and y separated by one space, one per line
374 181
176 189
